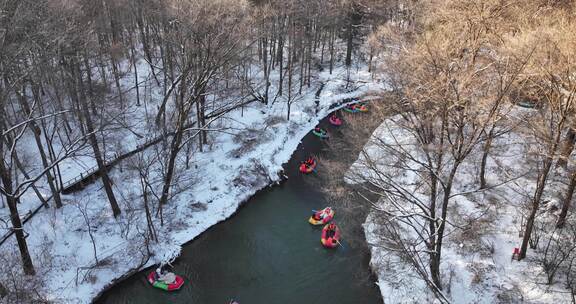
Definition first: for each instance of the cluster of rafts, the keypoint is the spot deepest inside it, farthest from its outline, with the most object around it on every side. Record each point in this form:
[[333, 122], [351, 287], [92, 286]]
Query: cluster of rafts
[[330, 233], [162, 279]]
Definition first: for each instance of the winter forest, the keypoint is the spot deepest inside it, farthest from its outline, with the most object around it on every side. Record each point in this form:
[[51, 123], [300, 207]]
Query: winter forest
[[171, 151]]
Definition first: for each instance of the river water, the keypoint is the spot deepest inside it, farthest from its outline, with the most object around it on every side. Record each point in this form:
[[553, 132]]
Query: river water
[[267, 253]]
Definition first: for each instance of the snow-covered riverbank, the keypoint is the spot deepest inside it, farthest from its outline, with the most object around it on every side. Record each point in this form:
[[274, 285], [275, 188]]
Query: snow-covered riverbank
[[484, 227], [211, 190]]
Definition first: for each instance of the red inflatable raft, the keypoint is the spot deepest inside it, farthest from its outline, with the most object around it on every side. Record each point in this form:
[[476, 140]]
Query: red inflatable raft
[[330, 236], [308, 166], [153, 280], [335, 121]]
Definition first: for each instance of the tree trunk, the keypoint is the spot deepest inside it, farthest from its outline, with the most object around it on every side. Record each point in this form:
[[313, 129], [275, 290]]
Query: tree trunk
[[101, 62], [349, 39], [567, 201], [309, 61], [302, 70], [290, 64], [20, 166], [73, 93], [149, 221], [36, 132], [102, 169], [16, 222], [535, 205], [52, 154], [280, 60], [48, 139], [567, 148], [3, 291], [436, 257], [136, 85], [174, 149], [202, 102], [89, 79], [200, 126], [266, 69], [184, 107], [117, 80], [540, 186], [485, 153], [434, 266], [143, 29], [323, 37], [60, 106], [434, 165], [332, 38]]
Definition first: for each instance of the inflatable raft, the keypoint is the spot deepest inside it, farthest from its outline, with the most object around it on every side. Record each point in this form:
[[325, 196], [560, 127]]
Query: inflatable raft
[[360, 107], [355, 108], [335, 121], [308, 166], [322, 217], [153, 280], [350, 109], [330, 236], [320, 133]]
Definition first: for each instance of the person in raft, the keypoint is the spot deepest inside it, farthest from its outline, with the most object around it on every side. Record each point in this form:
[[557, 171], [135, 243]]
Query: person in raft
[[164, 275], [316, 216], [319, 130], [331, 232]]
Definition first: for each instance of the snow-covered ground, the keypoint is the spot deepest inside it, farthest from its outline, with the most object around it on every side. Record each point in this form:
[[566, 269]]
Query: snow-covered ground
[[218, 180], [476, 261]]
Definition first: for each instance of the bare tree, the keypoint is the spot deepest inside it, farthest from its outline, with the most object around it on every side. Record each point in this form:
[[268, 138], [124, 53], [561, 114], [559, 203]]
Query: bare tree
[[555, 91], [450, 95], [82, 208], [567, 201], [209, 49]]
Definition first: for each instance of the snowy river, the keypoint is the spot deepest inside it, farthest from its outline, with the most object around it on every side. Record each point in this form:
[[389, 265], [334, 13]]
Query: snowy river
[[267, 253]]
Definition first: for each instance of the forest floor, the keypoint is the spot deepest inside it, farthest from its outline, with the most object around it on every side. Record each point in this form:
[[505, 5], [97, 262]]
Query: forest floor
[[485, 227], [80, 249]]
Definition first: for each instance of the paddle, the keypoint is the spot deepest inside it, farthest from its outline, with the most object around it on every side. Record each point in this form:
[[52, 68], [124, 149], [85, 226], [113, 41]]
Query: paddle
[[338, 242], [320, 210]]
